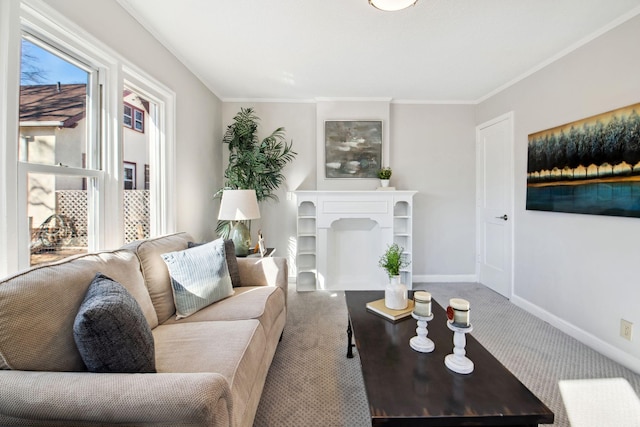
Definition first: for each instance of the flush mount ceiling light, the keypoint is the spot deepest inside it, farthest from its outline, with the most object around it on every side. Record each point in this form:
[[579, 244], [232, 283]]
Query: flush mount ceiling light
[[392, 5]]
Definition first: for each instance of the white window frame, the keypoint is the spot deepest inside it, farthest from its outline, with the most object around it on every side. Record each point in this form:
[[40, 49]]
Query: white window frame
[[94, 146], [161, 136], [9, 99], [128, 115], [136, 112], [39, 30]]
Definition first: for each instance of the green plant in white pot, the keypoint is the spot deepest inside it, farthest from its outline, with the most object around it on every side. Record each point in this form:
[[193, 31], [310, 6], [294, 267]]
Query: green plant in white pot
[[393, 261], [384, 175], [254, 164]]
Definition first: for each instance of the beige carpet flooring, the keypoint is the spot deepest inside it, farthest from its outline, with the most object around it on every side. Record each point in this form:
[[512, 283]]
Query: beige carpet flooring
[[311, 382]]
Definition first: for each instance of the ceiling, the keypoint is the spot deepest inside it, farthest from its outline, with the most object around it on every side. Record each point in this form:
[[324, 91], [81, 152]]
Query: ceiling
[[457, 51]]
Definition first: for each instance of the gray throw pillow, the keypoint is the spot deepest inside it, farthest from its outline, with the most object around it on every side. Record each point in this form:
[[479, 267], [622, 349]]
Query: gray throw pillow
[[232, 261], [199, 277], [111, 331]]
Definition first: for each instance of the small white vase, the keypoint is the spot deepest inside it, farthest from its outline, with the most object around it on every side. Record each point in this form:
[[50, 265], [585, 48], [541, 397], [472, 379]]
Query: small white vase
[[395, 294], [384, 182]]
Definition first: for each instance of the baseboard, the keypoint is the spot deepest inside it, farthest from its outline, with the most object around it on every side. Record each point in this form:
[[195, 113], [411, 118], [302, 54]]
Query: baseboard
[[445, 278], [430, 278], [581, 335]]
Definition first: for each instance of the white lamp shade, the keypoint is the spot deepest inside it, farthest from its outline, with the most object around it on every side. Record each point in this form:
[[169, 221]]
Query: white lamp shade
[[392, 5], [239, 205]]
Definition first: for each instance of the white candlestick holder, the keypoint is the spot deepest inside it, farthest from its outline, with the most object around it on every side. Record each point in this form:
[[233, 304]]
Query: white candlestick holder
[[457, 361], [421, 343]]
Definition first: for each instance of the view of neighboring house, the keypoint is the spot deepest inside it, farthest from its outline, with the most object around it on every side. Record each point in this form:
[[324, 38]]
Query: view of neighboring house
[[136, 141], [53, 132]]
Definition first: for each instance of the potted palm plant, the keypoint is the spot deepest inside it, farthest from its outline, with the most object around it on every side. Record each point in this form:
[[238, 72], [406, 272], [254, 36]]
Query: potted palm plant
[[395, 293], [254, 164]]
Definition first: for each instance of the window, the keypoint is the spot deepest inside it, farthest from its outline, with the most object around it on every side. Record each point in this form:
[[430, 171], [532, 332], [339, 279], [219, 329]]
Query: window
[[128, 114], [129, 176], [59, 155], [138, 123], [133, 116]]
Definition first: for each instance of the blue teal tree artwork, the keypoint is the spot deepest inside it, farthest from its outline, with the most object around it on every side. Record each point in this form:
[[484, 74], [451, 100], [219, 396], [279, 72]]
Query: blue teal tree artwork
[[591, 166]]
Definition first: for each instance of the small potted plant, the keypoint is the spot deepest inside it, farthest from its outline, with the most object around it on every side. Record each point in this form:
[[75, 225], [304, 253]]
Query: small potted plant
[[384, 175], [395, 293]]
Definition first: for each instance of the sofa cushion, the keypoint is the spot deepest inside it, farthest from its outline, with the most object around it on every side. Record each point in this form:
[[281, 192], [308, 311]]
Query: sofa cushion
[[264, 303], [111, 332], [155, 272], [38, 308], [232, 261], [199, 277], [236, 349]]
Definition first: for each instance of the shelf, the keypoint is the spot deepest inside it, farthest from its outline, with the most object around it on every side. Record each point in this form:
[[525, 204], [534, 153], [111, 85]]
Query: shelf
[[306, 251], [307, 209], [306, 281], [401, 209], [309, 252]]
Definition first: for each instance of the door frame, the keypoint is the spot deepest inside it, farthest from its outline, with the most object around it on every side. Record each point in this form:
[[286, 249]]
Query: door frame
[[511, 188]]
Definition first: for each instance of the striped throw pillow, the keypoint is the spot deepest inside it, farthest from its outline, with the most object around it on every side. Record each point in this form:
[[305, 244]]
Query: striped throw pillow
[[199, 277]]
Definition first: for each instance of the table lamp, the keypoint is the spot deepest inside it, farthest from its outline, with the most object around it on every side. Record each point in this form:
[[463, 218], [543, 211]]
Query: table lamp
[[236, 206]]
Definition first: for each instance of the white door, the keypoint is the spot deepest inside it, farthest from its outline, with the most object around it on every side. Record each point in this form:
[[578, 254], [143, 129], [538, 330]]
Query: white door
[[494, 204]]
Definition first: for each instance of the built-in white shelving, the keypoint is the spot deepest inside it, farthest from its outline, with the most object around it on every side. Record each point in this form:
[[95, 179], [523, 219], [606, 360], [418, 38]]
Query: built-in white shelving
[[342, 234], [306, 245]]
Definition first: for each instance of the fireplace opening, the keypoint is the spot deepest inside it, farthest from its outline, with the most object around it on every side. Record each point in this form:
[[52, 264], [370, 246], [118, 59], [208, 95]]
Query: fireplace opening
[[353, 251]]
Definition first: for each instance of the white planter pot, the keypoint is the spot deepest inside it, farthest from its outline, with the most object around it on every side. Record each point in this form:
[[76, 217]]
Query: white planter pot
[[384, 182], [395, 294]]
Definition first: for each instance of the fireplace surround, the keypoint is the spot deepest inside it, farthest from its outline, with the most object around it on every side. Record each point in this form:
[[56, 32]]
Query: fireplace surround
[[342, 234]]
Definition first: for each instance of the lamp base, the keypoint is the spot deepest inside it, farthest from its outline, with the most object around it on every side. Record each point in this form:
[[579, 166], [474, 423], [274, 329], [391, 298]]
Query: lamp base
[[241, 238]]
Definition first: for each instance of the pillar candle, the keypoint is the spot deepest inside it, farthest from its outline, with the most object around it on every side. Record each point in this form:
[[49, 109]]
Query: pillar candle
[[422, 303], [460, 311]]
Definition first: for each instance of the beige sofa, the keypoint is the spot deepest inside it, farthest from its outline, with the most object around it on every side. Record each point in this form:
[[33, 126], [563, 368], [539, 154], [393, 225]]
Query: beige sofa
[[211, 367]]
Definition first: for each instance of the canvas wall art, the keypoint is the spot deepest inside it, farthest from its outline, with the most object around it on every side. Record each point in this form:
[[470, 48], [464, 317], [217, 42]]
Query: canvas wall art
[[353, 148], [591, 166]]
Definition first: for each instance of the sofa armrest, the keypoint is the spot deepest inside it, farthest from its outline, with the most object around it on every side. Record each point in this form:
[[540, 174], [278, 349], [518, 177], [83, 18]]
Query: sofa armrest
[[269, 271], [84, 398]]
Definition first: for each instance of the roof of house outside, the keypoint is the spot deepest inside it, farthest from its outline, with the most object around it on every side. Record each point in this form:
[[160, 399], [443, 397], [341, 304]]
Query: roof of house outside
[[65, 103]]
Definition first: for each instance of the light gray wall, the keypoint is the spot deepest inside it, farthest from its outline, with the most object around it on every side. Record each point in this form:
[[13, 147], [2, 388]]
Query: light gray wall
[[431, 151], [198, 111], [578, 271]]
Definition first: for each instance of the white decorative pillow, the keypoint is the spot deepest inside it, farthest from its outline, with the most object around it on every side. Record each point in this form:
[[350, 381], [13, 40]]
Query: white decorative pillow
[[199, 277]]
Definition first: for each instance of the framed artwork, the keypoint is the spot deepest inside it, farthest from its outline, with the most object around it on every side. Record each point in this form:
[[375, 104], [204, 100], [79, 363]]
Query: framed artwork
[[590, 166], [352, 148]]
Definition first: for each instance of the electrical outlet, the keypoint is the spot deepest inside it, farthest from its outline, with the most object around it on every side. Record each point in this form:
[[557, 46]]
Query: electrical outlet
[[626, 329]]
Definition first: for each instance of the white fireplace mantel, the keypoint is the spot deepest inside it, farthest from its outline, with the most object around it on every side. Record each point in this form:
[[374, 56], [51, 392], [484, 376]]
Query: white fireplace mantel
[[342, 234]]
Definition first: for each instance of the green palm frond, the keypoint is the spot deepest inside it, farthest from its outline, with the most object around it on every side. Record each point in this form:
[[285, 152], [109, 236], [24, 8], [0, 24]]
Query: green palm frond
[[254, 164]]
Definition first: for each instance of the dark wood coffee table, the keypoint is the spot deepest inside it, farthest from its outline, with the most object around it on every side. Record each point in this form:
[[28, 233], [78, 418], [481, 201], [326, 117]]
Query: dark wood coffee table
[[408, 388]]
